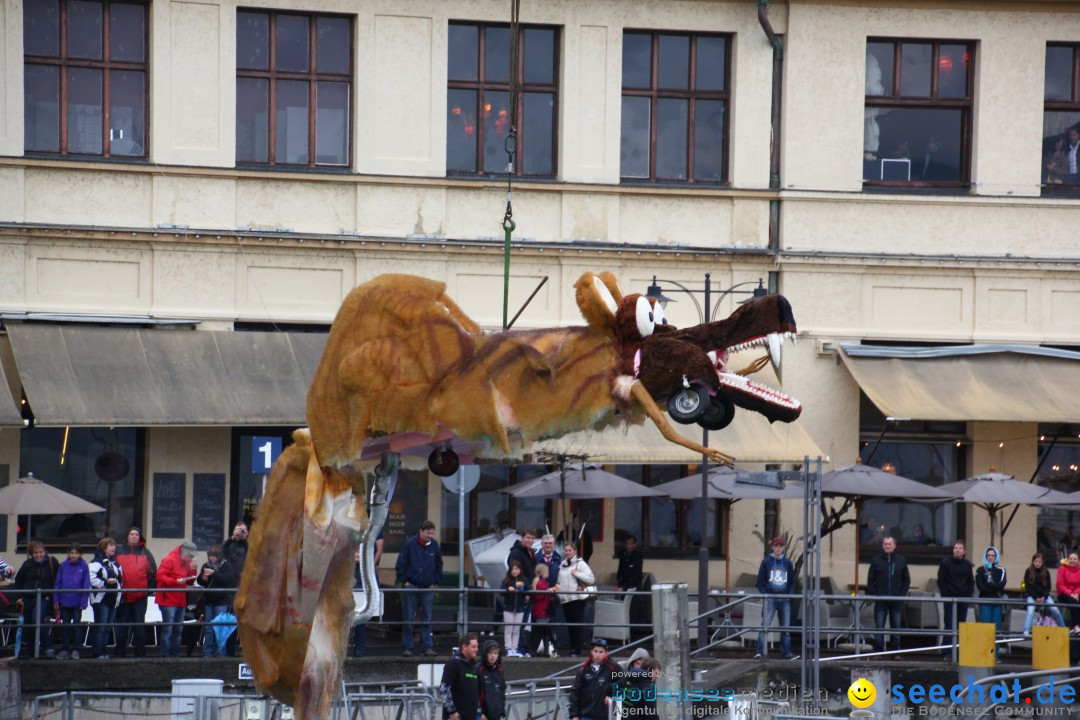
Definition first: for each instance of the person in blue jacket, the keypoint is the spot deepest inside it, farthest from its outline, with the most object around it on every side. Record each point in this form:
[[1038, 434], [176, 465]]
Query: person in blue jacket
[[419, 567], [776, 576]]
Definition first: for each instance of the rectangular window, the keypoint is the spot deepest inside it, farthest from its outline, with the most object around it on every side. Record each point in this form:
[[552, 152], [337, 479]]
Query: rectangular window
[[85, 65], [294, 83], [478, 104], [1059, 452], [664, 527], [918, 112], [1061, 116], [675, 94]]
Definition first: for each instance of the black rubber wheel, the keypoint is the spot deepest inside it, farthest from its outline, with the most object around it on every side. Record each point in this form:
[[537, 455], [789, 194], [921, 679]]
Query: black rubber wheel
[[719, 414], [688, 405], [443, 463]]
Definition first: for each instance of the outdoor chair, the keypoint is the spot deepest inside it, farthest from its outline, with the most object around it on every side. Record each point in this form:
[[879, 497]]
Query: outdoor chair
[[612, 618]]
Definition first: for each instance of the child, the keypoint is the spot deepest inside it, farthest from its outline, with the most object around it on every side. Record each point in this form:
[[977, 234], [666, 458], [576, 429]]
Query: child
[[514, 598], [1037, 588], [73, 575], [541, 612], [492, 684]]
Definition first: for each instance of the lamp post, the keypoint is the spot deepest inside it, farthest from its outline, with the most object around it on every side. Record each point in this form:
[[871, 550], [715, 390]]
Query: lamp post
[[705, 314]]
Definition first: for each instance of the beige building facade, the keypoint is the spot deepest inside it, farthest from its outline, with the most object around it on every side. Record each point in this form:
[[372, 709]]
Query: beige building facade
[[186, 236]]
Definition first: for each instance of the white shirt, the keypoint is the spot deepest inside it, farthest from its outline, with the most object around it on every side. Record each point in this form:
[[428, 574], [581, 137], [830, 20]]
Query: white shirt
[[1072, 158]]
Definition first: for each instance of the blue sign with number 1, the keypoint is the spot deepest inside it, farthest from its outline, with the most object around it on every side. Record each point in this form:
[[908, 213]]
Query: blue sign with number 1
[[264, 451]]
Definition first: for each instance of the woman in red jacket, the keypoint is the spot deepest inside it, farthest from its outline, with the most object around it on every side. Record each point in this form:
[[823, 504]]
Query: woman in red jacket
[[1068, 587], [140, 570], [177, 571]]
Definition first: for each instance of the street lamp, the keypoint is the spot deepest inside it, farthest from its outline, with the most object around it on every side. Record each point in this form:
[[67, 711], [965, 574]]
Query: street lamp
[[705, 314]]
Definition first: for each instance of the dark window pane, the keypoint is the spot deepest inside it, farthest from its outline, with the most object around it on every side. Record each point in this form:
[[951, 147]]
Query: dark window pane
[[693, 523], [291, 113], [953, 71], [711, 71], [41, 28], [540, 56], [879, 68], [634, 154], [127, 113], [332, 45], [709, 140], [1056, 128], [291, 36], [933, 464], [253, 40], [636, 61], [915, 69], [127, 32], [252, 120], [497, 54], [464, 52], [673, 70], [41, 112], [1059, 73], [84, 32], [916, 144], [84, 111], [332, 123], [671, 126], [662, 523], [538, 134], [461, 130], [495, 115]]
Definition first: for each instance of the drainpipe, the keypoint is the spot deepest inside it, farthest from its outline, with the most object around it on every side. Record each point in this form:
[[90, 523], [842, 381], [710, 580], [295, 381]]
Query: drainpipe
[[774, 144]]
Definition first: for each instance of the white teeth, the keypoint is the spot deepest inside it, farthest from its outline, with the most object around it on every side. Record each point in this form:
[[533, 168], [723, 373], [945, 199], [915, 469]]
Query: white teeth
[[775, 345]]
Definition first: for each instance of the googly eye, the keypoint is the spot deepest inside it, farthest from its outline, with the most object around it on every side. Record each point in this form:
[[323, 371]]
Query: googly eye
[[645, 322]]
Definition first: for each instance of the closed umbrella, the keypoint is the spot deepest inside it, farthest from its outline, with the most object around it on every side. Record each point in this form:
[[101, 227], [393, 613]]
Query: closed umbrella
[[725, 485], [30, 496], [860, 481]]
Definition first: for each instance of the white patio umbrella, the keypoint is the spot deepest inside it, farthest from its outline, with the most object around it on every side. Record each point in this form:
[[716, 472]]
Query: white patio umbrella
[[724, 485], [30, 496], [860, 481]]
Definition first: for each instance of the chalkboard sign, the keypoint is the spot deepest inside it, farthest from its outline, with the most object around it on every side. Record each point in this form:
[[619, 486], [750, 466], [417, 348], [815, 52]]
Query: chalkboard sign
[[208, 509], [169, 501]]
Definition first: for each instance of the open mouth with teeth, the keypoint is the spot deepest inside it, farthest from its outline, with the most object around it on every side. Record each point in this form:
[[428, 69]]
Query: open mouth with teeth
[[765, 323]]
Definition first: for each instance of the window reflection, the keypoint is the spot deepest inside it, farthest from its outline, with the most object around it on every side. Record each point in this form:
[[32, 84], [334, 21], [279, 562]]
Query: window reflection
[[538, 123], [252, 40], [291, 38], [879, 68], [539, 56], [636, 67], [953, 71], [127, 114], [84, 111], [497, 54], [464, 47], [634, 154], [1057, 531], [709, 140], [671, 138], [292, 122], [333, 45], [916, 145], [673, 69], [331, 118], [252, 120], [41, 28], [915, 69], [495, 115], [1060, 164], [41, 112], [84, 36], [127, 32], [461, 127], [1059, 73]]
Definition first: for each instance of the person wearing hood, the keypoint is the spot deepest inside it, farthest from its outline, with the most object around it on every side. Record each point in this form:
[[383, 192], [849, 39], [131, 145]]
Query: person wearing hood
[[637, 657], [459, 689], [72, 576], [38, 572], [639, 689], [990, 580], [1037, 589], [888, 577], [1068, 587], [492, 683], [140, 572], [955, 579], [176, 573], [106, 578], [419, 568]]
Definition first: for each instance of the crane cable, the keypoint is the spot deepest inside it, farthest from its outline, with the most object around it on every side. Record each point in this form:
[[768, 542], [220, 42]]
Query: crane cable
[[510, 145]]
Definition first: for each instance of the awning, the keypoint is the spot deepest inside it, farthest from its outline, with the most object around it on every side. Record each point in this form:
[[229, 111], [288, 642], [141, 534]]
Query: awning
[[9, 390], [1003, 383], [135, 377], [749, 439]]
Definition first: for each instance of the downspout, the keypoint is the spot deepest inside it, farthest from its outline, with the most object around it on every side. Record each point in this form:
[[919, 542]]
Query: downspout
[[774, 144]]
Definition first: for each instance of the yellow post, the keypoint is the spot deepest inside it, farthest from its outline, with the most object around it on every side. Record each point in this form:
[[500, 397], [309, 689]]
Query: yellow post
[[1050, 647], [977, 644]]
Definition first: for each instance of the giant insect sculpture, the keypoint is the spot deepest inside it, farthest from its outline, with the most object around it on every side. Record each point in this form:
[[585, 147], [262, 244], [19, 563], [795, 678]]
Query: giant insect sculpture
[[406, 372]]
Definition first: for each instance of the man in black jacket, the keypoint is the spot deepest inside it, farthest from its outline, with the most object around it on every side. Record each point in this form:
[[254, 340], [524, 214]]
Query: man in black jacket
[[629, 575], [460, 686], [888, 577], [523, 552], [955, 579], [590, 695]]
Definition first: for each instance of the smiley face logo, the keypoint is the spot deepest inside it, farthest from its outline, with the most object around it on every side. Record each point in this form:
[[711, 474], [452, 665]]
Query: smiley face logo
[[862, 693]]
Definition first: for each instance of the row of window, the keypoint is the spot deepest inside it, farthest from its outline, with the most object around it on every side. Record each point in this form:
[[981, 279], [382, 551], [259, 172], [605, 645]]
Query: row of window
[[86, 64]]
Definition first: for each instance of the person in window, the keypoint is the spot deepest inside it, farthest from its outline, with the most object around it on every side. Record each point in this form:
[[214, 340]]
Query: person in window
[[140, 572], [888, 577], [955, 579], [1037, 590], [1056, 163], [72, 580], [990, 580], [106, 577], [919, 536], [1072, 171], [1068, 587], [629, 575], [38, 572], [776, 576]]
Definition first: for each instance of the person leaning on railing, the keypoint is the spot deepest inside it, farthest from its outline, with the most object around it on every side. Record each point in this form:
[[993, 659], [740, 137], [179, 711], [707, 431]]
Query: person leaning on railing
[[38, 573]]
